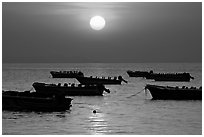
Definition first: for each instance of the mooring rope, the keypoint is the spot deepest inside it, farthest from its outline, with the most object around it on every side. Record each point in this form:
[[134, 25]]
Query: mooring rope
[[136, 93]]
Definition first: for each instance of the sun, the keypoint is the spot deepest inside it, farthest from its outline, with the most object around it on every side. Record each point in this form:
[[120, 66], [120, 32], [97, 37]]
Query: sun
[[97, 23]]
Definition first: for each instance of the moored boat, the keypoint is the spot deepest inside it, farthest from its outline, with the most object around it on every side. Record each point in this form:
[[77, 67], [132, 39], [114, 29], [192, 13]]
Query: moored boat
[[70, 89], [66, 74], [179, 77], [102, 80], [138, 73], [33, 101], [174, 93]]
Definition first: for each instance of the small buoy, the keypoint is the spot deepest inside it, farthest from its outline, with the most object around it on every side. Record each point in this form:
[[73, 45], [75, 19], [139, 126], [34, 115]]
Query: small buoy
[[94, 111]]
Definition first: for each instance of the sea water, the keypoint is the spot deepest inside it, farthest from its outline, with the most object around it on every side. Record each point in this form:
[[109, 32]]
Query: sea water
[[122, 111]]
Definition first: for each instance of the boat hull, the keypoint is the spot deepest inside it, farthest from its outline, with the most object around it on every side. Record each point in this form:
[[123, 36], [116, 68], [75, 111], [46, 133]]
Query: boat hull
[[34, 103], [183, 77], [172, 93], [99, 81], [69, 91]]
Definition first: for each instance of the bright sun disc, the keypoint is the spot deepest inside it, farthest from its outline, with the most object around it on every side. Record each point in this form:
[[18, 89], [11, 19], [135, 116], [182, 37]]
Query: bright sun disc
[[97, 22]]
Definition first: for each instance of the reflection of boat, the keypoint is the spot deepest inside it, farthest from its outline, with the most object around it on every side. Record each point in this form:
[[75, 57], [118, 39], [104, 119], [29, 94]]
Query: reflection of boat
[[174, 93], [66, 74], [70, 90], [138, 73], [170, 76], [103, 80], [26, 101]]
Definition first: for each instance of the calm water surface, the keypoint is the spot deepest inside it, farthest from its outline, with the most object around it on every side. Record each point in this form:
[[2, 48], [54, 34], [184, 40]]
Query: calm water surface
[[120, 112]]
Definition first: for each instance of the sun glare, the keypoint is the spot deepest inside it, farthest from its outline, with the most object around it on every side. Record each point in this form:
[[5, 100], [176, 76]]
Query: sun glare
[[97, 23]]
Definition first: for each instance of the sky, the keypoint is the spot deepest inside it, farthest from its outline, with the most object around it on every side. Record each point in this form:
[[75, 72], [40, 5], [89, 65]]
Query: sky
[[135, 32]]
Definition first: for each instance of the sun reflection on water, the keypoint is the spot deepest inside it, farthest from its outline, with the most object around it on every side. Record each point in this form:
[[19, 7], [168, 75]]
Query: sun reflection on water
[[98, 123]]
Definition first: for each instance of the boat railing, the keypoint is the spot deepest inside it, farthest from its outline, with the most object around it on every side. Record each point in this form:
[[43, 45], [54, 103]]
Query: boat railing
[[108, 78], [68, 85], [172, 74], [66, 72], [181, 88]]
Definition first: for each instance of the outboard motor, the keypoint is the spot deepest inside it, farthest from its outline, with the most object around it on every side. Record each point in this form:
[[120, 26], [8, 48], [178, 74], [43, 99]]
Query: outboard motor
[[105, 89], [120, 78], [151, 71], [191, 76], [188, 75]]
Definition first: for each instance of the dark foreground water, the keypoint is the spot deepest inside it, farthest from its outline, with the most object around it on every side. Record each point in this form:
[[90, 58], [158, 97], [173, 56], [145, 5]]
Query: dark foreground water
[[120, 112]]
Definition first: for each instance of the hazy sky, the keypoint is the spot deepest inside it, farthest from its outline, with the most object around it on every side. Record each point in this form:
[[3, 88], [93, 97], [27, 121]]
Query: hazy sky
[[134, 32]]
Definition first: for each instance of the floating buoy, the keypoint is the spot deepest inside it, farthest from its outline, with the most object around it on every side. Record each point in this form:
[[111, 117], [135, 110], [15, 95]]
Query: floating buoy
[[94, 111]]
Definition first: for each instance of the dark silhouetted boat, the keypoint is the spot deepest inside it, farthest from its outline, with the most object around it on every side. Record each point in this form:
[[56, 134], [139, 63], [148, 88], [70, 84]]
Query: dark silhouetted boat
[[138, 73], [174, 93], [33, 101], [70, 89], [179, 77], [102, 80], [66, 74]]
